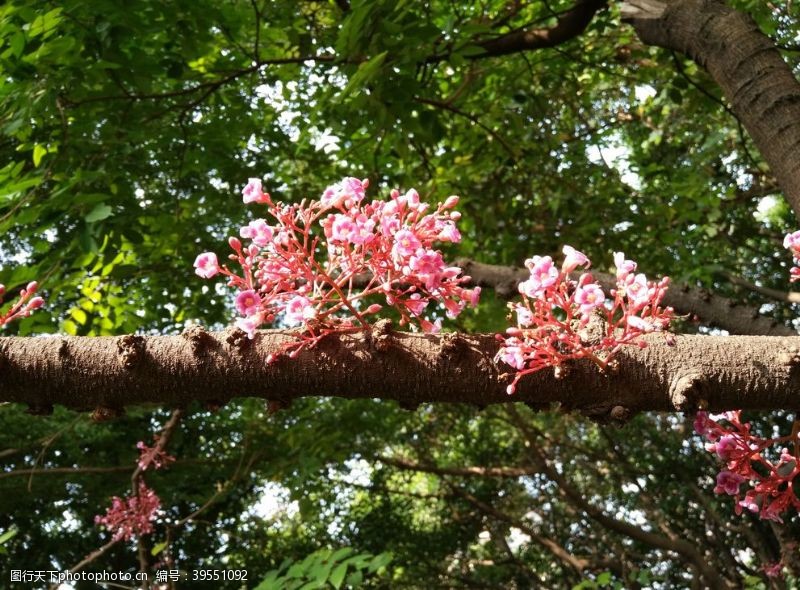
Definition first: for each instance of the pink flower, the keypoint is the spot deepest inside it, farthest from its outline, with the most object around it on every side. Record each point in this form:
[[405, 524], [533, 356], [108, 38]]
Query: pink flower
[[252, 193], [512, 355], [638, 323], [362, 232], [449, 233], [299, 309], [342, 228], [726, 446], [772, 570], [258, 231], [543, 275], [405, 243], [792, 241], [624, 267], [206, 265], [573, 259], [638, 291], [750, 502], [427, 265], [589, 297], [524, 316], [728, 483], [415, 304], [249, 325], [248, 302], [347, 189]]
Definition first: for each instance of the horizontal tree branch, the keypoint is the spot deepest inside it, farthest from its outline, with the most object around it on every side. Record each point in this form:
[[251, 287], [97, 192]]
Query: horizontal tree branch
[[570, 24], [108, 373]]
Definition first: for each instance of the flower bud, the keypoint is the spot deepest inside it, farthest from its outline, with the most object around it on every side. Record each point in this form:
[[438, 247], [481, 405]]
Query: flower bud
[[374, 308], [31, 288], [235, 243], [450, 202]]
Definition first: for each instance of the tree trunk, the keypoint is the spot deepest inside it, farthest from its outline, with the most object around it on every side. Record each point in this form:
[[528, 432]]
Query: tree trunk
[[744, 62], [111, 372]]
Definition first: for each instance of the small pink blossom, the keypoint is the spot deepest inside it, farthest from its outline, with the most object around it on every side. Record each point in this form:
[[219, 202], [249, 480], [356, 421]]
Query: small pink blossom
[[449, 233], [638, 323], [624, 267], [248, 302], [589, 297], [726, 446], [415, 304], [299, 309], [573, 259], [258, 231], [792, 241], [152, 456], [249, 325], [342, 228], [206, 265], [638, 291], [253, 193], [349, 188], [773, 570], [405, 244], [543, 275], [728, 483], [524, 316]]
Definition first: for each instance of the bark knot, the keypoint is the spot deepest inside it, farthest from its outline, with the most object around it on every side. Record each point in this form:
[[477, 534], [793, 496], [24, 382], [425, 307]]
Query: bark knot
[[789, 357], [381, 335], [199, 338], [684, 391], [131, 350], [237, 338]]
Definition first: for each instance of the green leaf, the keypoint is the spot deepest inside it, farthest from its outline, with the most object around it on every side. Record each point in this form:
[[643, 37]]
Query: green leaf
[[364, 74], [158, 548], [99, 213], [39, 151], [8, 535], [337, 575]]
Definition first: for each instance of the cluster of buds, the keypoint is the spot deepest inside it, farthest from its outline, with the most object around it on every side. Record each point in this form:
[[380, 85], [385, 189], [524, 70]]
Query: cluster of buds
[[132, 516], [769, 481], [25, 304], [152, 456], [330, 264], [555, 311]]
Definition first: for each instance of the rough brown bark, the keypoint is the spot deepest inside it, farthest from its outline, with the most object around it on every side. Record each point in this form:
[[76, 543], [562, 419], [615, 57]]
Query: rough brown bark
[[744, 62], [111, 372]]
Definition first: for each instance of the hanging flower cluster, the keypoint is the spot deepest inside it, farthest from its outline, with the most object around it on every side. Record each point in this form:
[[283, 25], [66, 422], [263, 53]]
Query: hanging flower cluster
[[330, 264], [769, 482], [132, 516], [24, 306], [555, 312]]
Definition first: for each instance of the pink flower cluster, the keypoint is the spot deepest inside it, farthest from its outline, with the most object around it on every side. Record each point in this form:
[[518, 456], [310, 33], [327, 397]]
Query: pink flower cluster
[[24, 306], [555, 310], [769, 490], [367, 254], [792, 243], [152, 456], [131, 516]]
